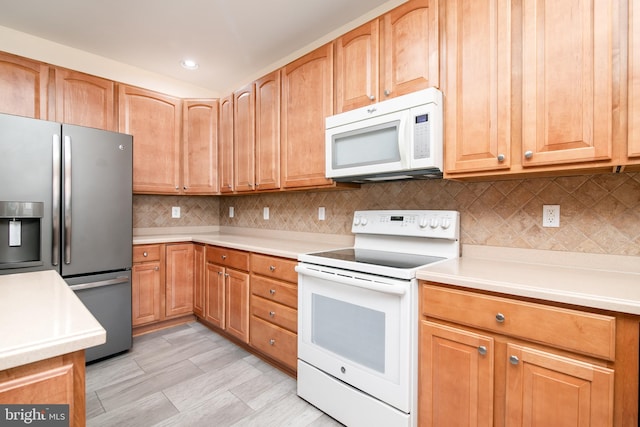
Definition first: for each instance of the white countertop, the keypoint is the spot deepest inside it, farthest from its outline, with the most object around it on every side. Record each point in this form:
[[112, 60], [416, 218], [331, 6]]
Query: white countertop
[[277, 243], [41, 317], [597, 281]]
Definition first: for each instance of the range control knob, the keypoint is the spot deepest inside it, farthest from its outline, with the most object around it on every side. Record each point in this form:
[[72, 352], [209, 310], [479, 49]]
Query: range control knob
[[446, 223], [364, 221], [424, 223], [356, 220], [434, 223]]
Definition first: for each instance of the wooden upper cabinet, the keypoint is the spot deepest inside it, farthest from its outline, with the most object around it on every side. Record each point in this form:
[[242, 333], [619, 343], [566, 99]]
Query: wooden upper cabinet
[[24, 85], [85, 100], [307, 98], [154, 121], [225, 145], [633, 149], [567, 80], [243, 138], [409, 43], [200, 146], [357, 67], [267, 131], [477, 85]]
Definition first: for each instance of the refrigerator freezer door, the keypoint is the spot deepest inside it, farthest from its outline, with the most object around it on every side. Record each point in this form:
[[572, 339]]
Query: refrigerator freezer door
[[26, 170], [96, 201]]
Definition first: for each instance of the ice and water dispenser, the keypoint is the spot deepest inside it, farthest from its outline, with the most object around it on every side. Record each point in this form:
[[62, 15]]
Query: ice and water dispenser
[[20, 229]]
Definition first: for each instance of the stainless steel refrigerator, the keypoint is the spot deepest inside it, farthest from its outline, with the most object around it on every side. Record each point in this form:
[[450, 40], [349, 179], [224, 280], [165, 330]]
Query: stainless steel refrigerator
[[66, 205]]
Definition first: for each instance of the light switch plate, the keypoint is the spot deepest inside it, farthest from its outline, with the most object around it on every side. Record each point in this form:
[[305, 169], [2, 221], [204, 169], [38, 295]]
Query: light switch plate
[[232, 212], [321, 213], [265, 212]]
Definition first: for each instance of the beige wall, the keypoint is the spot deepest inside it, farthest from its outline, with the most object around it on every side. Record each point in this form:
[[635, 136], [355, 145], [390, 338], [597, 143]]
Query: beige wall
[[598, 213]]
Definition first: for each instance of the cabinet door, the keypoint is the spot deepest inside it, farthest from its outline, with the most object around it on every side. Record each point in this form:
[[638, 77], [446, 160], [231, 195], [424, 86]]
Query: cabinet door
[[546, 389], [243, 139], [85, 100], [179, 279], [634, 79], [145, 293], [567, 80], [477, 83], [24, 85], [237, 304], [456, 377], [154, 121], [409, 40], [225, 145], [199, 280], [357, 67], [214, 304], [307, 98], [267, 128], [200, 146]]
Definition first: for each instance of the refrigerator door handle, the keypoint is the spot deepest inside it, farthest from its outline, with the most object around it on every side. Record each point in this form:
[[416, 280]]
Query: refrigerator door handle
[[55, 194], [100, 283], [67, 199]]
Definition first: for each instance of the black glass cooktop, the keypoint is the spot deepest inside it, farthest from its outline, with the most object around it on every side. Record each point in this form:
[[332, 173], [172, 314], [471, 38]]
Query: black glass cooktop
[[386, 259]]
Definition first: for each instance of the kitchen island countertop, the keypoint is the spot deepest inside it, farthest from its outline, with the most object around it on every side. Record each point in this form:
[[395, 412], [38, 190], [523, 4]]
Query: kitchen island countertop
[[604, 282], [41, 317]]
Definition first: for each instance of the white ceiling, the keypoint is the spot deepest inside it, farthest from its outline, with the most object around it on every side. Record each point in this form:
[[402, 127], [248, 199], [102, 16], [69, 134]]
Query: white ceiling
[[230, 39]]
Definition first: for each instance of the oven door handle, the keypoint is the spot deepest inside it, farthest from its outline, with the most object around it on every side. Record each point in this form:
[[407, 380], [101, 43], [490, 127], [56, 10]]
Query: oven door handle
[[365, 284]]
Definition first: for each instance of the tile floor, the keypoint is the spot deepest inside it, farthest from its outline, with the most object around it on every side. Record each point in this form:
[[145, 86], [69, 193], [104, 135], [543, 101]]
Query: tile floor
[[190, 376]]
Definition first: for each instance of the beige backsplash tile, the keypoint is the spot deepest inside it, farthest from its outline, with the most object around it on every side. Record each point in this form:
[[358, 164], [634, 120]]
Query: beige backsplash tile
[[598, 213]]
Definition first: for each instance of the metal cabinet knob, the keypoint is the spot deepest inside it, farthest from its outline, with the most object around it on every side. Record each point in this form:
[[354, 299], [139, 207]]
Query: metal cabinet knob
[[387, 92], [272, 268], [272, 291], [177, 187], [223, 256], [156, 268], [482, 350], [514, 360], [272, 314], [528, 154], [144, 254], [501, 157], [372, 98], [226, 274], [219, 273], [500, 318], [185, 187], [272, 341]]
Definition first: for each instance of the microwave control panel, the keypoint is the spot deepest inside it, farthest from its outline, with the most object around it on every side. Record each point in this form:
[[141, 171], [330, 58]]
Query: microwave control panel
[[421, 136]]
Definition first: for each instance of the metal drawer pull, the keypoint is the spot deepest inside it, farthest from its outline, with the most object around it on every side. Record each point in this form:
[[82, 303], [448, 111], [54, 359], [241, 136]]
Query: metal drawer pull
[[500, 318], [482, 350], [272, 268], [272, 341], [272, 291], [514, 360], [272, 314]]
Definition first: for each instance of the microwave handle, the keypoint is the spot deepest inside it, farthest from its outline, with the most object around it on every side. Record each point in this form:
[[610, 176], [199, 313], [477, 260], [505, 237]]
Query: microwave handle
[[405, 138]]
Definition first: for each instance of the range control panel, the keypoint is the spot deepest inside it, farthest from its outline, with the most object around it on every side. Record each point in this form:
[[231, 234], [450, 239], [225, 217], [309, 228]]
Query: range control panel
[[439, 224]]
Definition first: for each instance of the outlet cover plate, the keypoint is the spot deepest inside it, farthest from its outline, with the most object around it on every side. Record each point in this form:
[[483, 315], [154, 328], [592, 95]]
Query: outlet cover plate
[[175, 212], [551, 215]]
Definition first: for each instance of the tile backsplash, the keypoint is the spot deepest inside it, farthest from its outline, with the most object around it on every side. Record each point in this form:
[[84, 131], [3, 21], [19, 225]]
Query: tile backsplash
[[598, 213]]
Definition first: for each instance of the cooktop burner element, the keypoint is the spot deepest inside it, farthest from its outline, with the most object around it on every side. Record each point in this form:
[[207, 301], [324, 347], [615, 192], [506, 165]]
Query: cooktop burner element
[[387, 259]]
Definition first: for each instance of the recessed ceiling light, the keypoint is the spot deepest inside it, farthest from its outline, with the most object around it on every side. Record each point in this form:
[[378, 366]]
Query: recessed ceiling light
[[189, 64]]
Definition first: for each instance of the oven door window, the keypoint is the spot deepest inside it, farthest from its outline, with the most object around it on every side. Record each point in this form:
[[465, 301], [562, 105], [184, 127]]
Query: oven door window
[[354, 332]]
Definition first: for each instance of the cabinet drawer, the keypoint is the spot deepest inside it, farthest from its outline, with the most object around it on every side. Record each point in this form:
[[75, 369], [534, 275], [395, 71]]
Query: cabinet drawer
[[275, 313], [579, 331], [277, 268], [228, 257], [144, 253], [272, 290], [274, 341]]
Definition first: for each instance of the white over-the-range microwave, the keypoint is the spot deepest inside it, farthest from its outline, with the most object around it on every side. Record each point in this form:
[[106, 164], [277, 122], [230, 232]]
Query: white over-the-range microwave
[[399, 138]]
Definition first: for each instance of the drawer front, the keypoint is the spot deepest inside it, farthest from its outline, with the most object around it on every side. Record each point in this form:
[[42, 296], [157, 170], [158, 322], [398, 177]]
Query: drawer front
[[275, 313], [274, 267], [273, 290], [579, 331], [144, 253], [275, 342], [228, 257]]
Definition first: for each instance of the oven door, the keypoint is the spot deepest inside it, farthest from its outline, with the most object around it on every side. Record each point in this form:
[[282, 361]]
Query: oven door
[[358, 328]]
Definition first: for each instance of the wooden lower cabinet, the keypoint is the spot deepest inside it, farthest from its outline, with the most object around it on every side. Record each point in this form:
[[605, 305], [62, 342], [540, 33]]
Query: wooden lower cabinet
[[162, 285], [58, 380], [481, 365]]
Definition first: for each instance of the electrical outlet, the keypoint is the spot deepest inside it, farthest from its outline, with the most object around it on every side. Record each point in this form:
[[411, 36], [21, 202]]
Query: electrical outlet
[[265, 213], [175, 212], [551, 215], [321, 213], [232, 212]]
